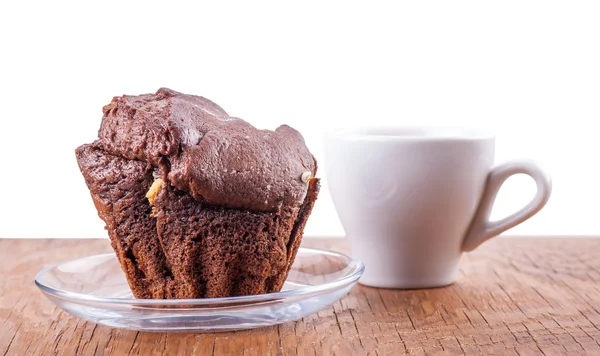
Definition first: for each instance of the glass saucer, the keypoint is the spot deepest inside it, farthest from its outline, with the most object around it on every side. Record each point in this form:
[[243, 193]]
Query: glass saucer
[[94, 288]]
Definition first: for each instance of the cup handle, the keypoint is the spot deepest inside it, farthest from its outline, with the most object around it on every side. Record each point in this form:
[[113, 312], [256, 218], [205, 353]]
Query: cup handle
[[481, 228]]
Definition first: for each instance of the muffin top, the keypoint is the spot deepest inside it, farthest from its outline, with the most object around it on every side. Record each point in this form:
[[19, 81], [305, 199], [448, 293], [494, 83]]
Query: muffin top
[[202, 151]]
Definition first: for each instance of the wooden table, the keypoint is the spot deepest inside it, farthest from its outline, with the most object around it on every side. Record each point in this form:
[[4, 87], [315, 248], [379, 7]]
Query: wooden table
[[523, 296]]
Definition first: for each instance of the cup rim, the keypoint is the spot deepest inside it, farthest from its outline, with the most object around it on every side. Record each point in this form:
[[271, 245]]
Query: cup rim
[[412, 133]]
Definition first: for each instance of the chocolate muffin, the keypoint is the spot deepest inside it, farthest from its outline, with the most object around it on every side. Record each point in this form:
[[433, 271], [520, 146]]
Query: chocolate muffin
[[198, 204]]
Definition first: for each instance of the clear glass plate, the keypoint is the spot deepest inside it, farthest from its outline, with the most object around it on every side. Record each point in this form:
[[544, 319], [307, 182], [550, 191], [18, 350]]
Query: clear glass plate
[[94, 288]]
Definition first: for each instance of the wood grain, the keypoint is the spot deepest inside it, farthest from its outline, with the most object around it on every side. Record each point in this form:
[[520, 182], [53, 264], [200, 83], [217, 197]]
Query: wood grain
[[516, 296]]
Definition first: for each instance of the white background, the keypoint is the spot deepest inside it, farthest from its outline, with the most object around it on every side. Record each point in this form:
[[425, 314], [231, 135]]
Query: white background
[[528, 70]]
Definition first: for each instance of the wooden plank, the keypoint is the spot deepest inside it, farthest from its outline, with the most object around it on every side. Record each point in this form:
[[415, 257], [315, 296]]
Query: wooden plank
[[516, 296]]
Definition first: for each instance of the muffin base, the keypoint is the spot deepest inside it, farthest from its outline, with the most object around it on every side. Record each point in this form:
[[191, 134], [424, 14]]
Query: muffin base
[[182, 247]]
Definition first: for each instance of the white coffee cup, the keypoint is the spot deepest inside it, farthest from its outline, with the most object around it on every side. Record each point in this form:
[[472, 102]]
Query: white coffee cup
[[413, 199]]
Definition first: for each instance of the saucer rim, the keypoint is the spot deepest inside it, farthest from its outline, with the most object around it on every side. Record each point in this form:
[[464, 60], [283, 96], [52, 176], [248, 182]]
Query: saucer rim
[[304, 292]]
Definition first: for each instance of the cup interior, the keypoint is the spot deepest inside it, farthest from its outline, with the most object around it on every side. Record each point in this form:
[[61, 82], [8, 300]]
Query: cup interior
[[414, 132]]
